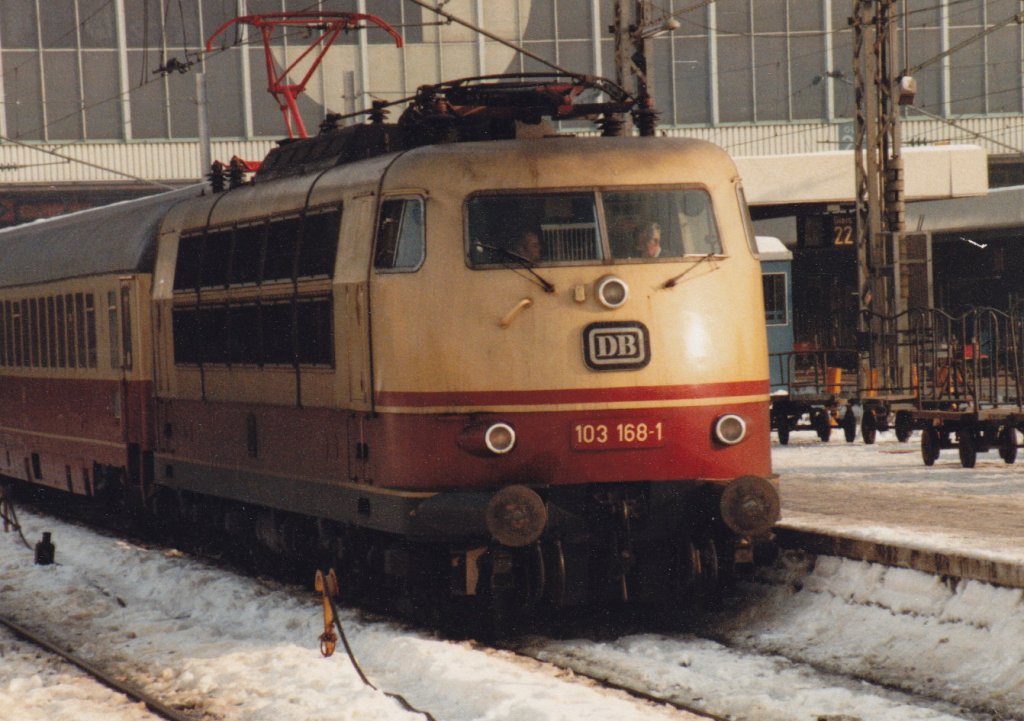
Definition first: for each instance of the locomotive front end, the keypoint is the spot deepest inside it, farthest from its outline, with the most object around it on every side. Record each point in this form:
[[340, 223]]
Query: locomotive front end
[[568, 351]]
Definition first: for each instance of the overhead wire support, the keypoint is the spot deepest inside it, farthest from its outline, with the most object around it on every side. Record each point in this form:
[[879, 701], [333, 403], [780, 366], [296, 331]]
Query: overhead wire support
[[879, 174], [329, 24]]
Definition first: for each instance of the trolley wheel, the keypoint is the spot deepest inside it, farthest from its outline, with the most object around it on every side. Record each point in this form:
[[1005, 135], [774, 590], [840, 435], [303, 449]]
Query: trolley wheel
[[929, 446], [904, 426], [783, 430], [869, 426], [850, 425], [822, 426], [1008, 444], [967, 447]]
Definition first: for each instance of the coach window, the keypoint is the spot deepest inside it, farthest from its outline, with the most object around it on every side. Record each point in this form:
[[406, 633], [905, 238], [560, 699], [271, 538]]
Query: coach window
[[279, 257], [244, 327], [315, 332], [51, 329], [3, 334], [400, 239], [33, 332], [216, 257], [61, 333], [775, 311], [112, 329], [319, 244], [276, 324], [186, 269], [247, 255]]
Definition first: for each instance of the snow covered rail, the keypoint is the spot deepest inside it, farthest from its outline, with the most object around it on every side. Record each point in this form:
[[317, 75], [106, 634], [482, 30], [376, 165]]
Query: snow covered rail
[[153, 704], [941, 563]]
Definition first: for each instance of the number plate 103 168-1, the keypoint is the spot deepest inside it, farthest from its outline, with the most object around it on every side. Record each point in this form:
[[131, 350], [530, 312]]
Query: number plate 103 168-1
[[615, 434]]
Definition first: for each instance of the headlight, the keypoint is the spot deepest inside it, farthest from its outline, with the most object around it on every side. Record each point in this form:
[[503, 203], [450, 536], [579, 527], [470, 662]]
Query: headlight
[[500, 438], [488, 440], [730, 429], [612, 292]]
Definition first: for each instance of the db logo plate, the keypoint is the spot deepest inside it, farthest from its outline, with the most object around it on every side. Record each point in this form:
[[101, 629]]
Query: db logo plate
[[611, 346]]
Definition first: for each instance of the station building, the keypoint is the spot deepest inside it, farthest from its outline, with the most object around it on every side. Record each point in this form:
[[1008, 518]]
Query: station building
[[100, 102]]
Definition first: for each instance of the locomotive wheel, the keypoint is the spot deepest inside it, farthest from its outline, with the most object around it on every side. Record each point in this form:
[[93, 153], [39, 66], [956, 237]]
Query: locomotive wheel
[[1008, 444], [904, 426], [967, 447], [711, 570], [929, 446], [822, 426], [850, 425], [869, 426]]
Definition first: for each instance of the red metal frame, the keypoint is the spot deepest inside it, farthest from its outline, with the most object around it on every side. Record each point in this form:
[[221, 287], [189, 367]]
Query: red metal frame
[[329, 24]]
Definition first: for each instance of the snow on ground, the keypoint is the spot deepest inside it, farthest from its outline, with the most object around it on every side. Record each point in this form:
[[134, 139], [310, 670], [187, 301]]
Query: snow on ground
[[247, 649]]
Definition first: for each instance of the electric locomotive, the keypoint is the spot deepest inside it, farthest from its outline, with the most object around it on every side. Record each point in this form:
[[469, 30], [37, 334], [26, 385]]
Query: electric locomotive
[[462, 356], [365, 342]]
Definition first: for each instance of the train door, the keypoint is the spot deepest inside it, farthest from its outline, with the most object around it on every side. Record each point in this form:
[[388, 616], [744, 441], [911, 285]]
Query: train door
[[352, 324]]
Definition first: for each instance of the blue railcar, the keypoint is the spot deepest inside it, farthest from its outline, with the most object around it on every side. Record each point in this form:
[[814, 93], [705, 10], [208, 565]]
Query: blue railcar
[[776, 273]]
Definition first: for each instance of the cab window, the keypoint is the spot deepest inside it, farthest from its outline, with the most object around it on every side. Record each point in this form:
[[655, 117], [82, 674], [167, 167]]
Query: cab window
[[652, 224], [400, 237], [537, 228]]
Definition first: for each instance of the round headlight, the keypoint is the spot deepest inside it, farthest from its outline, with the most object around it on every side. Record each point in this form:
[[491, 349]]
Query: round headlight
[[500, 438], [730, 429], [612, 292]]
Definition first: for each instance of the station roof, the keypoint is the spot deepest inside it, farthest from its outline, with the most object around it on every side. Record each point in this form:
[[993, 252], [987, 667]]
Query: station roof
[[1000, 209], [934, 172], [118, 238]]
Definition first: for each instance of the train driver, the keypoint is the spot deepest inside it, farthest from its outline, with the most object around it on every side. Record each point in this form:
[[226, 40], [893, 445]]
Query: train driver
[[647, 240], [528, 246]]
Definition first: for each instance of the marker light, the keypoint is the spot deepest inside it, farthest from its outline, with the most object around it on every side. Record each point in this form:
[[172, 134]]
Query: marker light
[[612, 292], [500, 438], [730, 429]]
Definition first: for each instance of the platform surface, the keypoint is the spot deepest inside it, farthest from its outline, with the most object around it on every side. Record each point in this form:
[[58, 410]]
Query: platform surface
[[884, 502]]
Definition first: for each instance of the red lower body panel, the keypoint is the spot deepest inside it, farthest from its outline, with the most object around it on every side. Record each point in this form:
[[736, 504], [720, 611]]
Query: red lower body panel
[[53, 432]]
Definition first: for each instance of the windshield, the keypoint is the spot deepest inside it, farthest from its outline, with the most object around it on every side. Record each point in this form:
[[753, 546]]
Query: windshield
[[582, 227]]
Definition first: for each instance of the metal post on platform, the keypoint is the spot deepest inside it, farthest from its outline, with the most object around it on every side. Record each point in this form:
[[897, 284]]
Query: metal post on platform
[[880, 208]]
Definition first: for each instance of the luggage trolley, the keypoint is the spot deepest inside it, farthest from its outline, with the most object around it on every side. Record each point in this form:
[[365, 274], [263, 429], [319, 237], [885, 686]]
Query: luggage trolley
[[808, 393], [886, 378], [969, 374]]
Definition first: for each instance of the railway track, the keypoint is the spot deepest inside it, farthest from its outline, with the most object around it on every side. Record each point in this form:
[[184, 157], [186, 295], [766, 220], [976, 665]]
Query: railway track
[[154, 705], [707, 698], [606, 681]]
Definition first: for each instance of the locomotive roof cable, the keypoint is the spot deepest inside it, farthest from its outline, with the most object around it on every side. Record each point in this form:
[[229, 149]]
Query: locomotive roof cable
[[328, 587]]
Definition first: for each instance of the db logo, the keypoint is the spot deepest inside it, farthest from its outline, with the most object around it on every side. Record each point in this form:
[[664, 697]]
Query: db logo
[[616, 346]]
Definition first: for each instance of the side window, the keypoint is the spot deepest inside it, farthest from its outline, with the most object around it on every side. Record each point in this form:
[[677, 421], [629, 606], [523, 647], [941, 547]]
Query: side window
[[400, 238], [748, 224], [775, 311]]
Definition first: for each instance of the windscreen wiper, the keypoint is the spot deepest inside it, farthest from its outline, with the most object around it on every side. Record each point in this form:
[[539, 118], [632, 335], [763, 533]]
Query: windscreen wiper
[[671, 282], [524, 263]]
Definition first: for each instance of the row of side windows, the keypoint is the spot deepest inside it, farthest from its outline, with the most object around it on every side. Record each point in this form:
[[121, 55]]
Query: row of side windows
[[261, 333], [257, 332], [57, 331], [265, 251]]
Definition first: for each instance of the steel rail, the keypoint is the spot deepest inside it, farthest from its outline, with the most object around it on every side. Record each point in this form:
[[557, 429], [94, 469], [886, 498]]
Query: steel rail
[[154, 705], [607, 683]]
